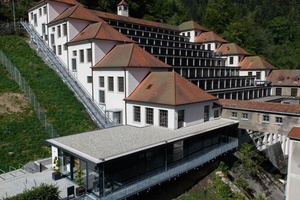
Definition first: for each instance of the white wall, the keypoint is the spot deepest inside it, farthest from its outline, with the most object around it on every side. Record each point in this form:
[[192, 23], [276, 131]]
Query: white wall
[[83, 68], [193, 34], [101, 48], [193, 114], [293, 177]]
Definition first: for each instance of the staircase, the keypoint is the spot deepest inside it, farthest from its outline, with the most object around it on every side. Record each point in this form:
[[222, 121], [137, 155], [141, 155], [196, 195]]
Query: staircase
[[96, 113]]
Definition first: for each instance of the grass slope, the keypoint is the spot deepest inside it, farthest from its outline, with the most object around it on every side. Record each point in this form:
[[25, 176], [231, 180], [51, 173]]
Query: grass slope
[[22, 135]]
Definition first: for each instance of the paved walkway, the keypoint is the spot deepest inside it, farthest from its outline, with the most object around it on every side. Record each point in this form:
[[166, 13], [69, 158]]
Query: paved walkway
[[16, 181]]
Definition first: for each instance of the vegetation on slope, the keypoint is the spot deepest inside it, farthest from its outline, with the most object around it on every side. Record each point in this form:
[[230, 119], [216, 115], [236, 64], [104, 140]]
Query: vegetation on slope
[[22, 135]]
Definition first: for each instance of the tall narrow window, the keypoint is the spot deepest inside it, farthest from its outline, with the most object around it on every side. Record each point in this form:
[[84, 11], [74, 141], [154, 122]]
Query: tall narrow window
[[59, 49], [89, 55], [52, 39], [101, 96], [58, 31], [231, 60], [149, 115], [31, 15], [43, 28], [278, 91], [121, 84], [65, 29], [89, 79], [40, 12], [163, 118], [258, 75], [74, 65], [81, 55], [136, 113], [101, 81], [54, 49], [45, 10], [206, 113], [35, 19], [110, 83], [180, 118]]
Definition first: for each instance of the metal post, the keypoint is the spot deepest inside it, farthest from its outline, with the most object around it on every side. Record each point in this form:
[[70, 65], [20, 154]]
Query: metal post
[[13, 2]]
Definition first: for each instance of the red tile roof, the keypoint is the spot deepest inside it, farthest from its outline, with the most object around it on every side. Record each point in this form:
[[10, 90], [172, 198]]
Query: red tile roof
[[209, 37], [190, 25], [285, 77], [71, 2], [122, 3], [100, 31], [231, 49], [294, 133], [131, 20], [130, 55], [77, 12], [260, 106], [255, 62], [168, 88], [43, 2]]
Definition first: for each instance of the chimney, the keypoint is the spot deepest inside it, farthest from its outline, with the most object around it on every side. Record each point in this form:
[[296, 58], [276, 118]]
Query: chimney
[[123, 9]]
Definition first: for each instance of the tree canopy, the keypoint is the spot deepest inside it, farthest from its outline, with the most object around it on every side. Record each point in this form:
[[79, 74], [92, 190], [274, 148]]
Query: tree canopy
[[268, 28]]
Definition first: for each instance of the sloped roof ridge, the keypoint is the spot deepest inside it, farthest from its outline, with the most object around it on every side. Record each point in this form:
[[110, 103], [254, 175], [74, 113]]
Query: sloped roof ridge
[[131, 53]]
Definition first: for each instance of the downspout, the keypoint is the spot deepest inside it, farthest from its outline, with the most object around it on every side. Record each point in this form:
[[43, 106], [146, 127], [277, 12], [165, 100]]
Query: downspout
[[92, 70], [125, 95]]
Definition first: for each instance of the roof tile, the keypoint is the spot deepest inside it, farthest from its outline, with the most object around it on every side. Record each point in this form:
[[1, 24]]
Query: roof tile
[[168, 88], [130, 55], [209, 37], [255, 62], [294, 133], [231, 49], [190, 25], [289, 77], [100, 31]]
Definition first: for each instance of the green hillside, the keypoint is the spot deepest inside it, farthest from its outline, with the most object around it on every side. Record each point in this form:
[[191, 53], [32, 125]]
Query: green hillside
[[22, 135]]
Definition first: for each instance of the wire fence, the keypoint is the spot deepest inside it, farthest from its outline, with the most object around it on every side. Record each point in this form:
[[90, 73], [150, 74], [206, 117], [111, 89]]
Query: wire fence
[[15, 73]]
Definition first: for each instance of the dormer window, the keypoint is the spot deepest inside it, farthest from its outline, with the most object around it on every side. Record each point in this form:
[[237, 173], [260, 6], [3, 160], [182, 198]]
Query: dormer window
[[295, 79], [280, 79]]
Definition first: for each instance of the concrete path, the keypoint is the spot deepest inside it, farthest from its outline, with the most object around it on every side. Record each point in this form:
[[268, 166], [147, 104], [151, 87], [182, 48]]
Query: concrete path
[[16, 181]]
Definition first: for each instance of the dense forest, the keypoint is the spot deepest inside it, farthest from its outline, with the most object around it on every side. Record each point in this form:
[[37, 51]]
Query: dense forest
[[268, 28]]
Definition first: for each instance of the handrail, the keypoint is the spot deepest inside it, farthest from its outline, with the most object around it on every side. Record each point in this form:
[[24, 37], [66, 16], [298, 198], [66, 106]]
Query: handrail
[[14, 169], [97, 114], [3, 172]]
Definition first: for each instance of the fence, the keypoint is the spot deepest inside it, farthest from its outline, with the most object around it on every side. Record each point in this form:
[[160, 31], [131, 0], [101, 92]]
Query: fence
[[14, 72]]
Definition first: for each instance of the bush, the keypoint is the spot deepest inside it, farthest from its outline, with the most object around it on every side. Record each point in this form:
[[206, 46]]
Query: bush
[[42, 192]]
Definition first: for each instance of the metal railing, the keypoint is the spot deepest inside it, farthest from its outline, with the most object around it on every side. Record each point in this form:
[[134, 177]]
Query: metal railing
[[96, 113], [25, 87], [160, 177]]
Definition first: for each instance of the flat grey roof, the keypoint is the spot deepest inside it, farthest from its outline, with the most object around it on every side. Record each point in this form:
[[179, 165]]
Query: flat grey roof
[[119, 141]]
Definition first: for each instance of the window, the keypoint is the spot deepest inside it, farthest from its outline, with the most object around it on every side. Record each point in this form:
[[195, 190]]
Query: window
[[74, 65], [249, 73], [65, 47], [65, 29], [244, 115], [208, 46], [31, 15], [149, 115], [206, 113], [163, 118], [136, 113], [59, 49], [101, 96], [278, 91], [101, 81], [266, 118], [81, 54], [295, 79], [178, 150], [117, 117], [45, 10], [231, 60], [278, 120], [121, 84], [180, 118], [216, 113], [40, 12], [89, 79], [74, 53], [294, 92], [234, 114], [53, 29], [257, 75], [43, 28], [58, 31], [52, 39], [110, 83], [54, 49], [34, 19], [280, 79], [89, 55]]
